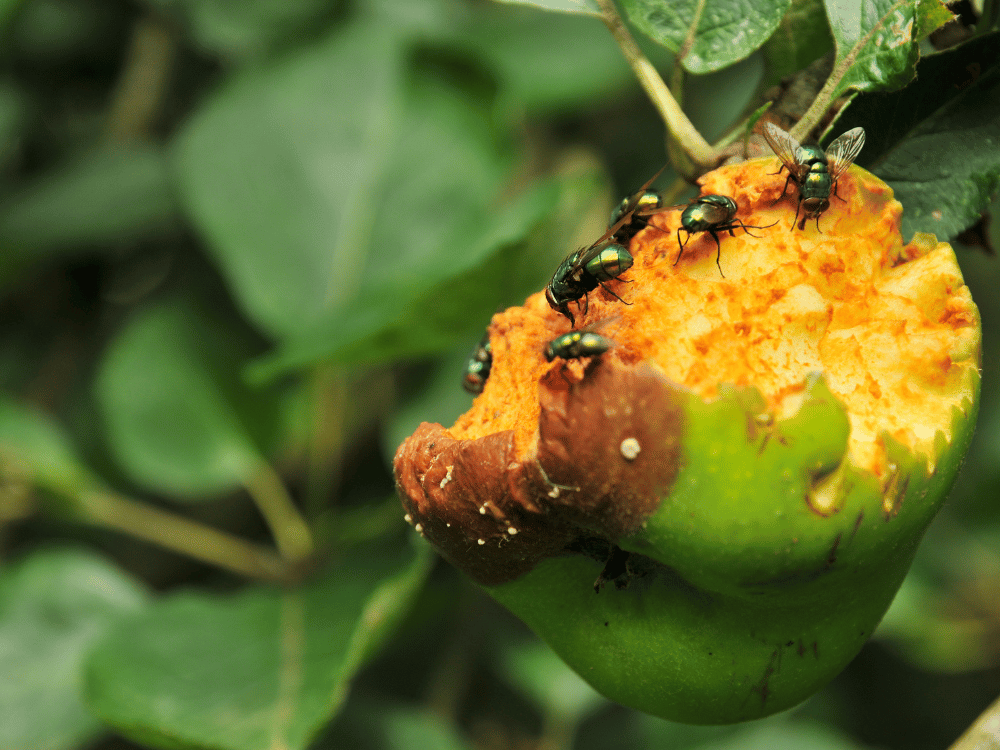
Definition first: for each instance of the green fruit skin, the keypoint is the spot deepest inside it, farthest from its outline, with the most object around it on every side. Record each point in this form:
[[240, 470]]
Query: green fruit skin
[[763, 599]]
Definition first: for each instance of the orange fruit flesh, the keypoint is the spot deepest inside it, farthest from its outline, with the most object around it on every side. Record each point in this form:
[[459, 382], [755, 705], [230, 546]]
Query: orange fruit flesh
[[892, 327]]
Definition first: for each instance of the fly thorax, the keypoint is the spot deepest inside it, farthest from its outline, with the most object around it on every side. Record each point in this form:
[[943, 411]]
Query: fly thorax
[[817, 185], [810, 156]]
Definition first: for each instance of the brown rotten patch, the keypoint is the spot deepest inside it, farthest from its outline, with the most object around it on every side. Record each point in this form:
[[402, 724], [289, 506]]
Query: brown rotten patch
[[607, 450]]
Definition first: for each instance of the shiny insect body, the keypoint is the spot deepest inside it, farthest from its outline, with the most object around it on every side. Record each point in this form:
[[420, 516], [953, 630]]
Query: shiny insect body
[[813, 170], [608, 258], [576, 345], [629, 217], [477, 369], [712, 214], [584, 271]]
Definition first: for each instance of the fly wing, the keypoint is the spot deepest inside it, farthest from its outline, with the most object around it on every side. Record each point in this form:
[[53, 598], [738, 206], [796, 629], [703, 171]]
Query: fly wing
[[783, 145], [665, 209], [602, 324], [713, 213], [626, 216], [844, 150]]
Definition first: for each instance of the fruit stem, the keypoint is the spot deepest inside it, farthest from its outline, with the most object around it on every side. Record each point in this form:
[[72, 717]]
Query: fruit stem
[[680, 127]]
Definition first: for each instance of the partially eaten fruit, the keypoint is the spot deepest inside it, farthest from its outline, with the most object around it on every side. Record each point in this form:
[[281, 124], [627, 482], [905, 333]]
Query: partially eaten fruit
[[744, 476]]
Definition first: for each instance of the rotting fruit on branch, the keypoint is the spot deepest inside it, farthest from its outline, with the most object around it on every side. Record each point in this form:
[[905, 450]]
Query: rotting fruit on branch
[[753, 462]]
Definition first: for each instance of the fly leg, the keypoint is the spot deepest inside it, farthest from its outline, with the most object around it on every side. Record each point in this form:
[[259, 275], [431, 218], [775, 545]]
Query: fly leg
[[718, 247], [680, 247]]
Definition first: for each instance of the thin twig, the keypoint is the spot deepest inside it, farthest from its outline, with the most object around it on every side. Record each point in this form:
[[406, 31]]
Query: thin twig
[[678, 124], [326, 437], [817, 109], [290, 531], [141, 88], [450, 676], [182, 535], [825, 97]]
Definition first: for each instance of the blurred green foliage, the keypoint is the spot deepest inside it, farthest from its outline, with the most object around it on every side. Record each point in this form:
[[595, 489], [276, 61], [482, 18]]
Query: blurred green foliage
[[245, 248]]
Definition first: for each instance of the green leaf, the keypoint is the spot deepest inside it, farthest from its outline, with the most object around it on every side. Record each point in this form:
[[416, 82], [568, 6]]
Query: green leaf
[[563, 6], [247, 29], [426, 309], [460, 292], [7, 8], [707, 35], [257, 670], [876, 44], [34, 446], [109, 197], [53, 606], [282, 172], [407, 729], [931, 16], [937, 141], [13, 114], [545, 678], [802, 37], [177, 417]]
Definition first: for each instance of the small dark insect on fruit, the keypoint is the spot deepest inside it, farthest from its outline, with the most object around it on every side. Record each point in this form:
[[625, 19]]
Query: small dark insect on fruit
[[712, 214], [584, 271], [576, 345], [607, 258], [814, 171], [477, 369], [634, 210], [629, 217]]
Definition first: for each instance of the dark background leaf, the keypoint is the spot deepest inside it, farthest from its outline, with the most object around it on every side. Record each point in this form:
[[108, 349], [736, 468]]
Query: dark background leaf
[[240, 32], [937, 141], [582, 63], [802, 37], [111, 196]]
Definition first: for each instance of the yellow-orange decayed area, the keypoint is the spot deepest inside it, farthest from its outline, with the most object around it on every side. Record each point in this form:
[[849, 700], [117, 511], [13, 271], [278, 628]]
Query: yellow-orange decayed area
[[893, 328]]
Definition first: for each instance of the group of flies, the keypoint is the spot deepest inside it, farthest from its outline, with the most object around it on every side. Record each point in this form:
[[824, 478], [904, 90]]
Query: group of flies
[[814, 172]]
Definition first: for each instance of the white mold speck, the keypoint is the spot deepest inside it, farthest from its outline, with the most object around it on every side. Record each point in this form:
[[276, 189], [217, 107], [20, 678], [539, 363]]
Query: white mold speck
[[630, 448]]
